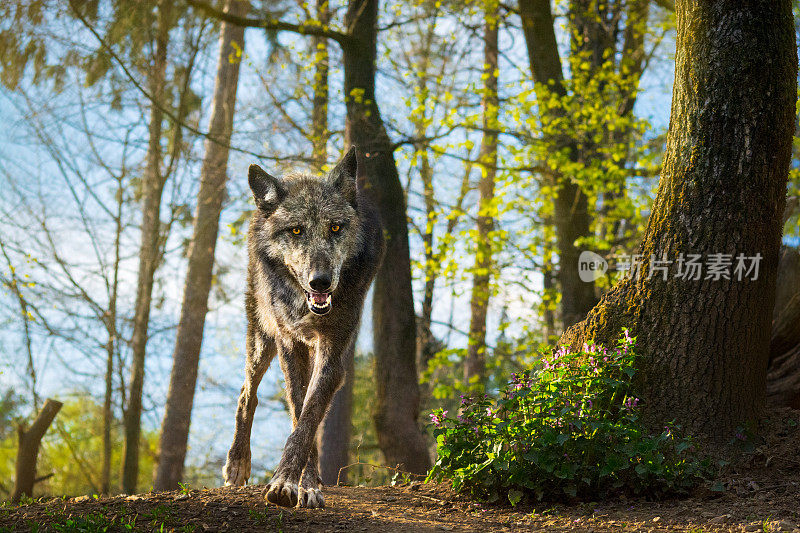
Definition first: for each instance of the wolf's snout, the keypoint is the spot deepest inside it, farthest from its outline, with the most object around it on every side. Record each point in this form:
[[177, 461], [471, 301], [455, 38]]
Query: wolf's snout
[[319, 281], [319, 299]]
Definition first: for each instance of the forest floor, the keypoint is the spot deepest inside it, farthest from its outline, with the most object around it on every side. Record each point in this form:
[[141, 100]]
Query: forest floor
[[761, 493]]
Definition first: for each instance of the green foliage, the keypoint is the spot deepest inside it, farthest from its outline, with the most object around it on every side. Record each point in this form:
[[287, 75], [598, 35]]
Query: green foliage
[[572, 427], [72, 451], [95, 522]]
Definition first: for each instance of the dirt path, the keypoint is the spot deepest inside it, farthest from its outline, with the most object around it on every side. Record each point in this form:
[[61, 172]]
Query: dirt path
[[419, 508]]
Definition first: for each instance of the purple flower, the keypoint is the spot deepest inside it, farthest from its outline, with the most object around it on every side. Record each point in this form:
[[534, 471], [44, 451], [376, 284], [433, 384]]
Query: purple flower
[[438, 418], [628, 338]]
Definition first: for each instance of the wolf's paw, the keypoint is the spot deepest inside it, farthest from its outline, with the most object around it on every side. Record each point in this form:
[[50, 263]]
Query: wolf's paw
[[311, 498], [236, 472], [282, 492]]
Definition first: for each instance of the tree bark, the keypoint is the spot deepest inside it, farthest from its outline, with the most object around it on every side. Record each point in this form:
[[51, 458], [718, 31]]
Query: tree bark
[[333, 437], [570, 205], [475, 363], [319, 110], [394, 323], [213, 179], [704, 344], [152, 189], [111, 345], [783, 372], [28, 451]]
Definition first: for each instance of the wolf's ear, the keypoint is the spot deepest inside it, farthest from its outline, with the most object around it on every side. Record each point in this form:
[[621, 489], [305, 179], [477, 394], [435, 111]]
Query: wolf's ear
[[343, 175], [267, 189]]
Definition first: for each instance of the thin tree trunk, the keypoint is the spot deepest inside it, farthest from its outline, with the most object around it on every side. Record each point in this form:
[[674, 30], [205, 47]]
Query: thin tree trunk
[[394, 322], [704, 344], [213, 179], [570, 205], [105, 475], [319, 111], [333, 436], [28, 451], [629, 70], [111, 349], [475, 363], [548, 284], [431, 266], [152, 188]]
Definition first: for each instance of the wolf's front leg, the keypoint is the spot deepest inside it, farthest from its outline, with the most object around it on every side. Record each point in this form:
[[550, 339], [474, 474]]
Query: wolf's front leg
[[310, 491], [285, 488], [260, 351]]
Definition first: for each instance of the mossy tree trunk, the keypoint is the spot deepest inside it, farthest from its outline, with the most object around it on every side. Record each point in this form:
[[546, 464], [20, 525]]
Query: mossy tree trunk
[[704, 344]]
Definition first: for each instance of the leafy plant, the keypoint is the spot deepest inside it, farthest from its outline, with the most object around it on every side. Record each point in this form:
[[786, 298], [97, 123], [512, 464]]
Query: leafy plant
[[571, 427], [185, 488], [94, 522]]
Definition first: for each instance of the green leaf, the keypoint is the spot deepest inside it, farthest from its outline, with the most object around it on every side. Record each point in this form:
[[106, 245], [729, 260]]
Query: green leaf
[[514, 496]]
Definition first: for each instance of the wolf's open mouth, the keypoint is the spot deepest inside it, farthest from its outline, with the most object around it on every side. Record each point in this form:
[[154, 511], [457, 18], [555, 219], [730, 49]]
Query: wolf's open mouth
[[319, 302]]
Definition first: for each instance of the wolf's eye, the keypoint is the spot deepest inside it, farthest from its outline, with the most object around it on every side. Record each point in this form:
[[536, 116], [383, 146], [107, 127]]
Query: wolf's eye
[[297, 231], [335, 228]]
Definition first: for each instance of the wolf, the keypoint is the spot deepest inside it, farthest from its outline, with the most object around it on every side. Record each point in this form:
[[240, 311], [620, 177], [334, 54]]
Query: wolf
[[314, 246]]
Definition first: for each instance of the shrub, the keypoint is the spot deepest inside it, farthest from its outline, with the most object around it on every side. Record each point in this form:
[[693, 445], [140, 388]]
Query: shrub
[[571, 427]]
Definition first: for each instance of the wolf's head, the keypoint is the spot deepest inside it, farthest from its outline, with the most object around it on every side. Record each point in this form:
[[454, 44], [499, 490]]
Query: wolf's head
[[311, 226]]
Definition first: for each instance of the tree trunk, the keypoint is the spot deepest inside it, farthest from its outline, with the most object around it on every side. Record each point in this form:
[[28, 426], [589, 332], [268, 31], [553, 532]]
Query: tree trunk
[[333, 437], [783, 372], [105, 474], [475, 363], [111, 346], [152, 188], [28, 451], [570, 205], [394, 328], [704, 344], [319, 111], [432, 266], [213, 178]]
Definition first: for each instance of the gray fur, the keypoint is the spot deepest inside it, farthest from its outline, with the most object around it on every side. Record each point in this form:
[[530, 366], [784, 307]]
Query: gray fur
[[284, 317]]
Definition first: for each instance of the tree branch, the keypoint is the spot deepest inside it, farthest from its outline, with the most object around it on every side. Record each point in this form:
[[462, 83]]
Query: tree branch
[[306, 28]]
